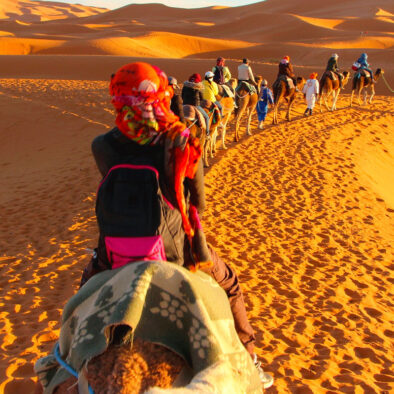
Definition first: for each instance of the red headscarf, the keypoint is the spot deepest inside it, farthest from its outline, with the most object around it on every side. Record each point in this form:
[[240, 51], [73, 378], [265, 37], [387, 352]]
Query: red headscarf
[[195, 78], [142, 98], [220, 61], [313, 76]]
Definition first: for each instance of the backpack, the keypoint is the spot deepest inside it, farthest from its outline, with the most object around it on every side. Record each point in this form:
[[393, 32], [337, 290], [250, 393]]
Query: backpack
[[218, 76], [135, 219]]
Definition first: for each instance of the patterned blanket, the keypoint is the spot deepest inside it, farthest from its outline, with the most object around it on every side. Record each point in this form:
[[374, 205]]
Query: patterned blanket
[[165, 304]]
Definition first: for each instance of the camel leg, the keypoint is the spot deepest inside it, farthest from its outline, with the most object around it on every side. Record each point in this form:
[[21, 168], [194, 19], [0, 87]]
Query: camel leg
[[224, 127], [351, 98], [372, 94], [249, 114], [288, 111], [334, 99], [365, 97], [326, 102], [213, 142], [206, 150]]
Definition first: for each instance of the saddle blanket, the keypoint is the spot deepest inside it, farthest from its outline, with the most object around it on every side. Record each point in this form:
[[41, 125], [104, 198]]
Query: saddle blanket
[[162, 303]]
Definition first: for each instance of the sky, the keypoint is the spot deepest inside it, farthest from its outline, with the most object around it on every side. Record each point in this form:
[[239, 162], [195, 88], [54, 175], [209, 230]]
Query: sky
[[112, 4]]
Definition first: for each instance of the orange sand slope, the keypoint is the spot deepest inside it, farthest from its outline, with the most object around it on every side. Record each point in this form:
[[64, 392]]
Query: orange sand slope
[[307, 30], [303, 210], [38, 11]]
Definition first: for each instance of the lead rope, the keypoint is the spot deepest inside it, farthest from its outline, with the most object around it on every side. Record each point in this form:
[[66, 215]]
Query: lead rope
[[66, 366], [388, 86]]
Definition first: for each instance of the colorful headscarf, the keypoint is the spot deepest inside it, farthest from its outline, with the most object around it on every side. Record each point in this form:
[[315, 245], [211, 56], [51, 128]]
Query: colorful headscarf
[[195, 78], [220, 61], [313, 75], [142, 98]]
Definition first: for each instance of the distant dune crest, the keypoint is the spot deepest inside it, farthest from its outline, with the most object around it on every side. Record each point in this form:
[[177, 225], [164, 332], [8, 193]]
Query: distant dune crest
[[264, 31]]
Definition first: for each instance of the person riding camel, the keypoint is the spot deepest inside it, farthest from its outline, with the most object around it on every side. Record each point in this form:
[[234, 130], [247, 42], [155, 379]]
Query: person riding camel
[[221, 72], [332, 65], [192, 95], [311, 90], [176, 101], [146, 129], [286, 69], [211, 90], [363, 62], [245, 73]]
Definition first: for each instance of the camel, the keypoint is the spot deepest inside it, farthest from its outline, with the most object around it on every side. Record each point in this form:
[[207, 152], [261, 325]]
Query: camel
[[331, 87], [125, 369], [228, 108], [362, 83], [281, 91], [246, 103]]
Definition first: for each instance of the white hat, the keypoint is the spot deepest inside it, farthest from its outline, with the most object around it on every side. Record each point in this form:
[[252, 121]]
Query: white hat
[[209, 74], [172, 81], [264, 82], [335, 55]]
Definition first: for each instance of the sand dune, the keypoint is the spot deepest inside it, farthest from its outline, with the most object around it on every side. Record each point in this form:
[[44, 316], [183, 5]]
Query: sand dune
[[154, 30], [37, 11], [303, 210]]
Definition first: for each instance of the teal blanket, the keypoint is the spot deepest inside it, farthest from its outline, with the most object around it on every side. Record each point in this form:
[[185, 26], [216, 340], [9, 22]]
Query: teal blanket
[[162, 303]]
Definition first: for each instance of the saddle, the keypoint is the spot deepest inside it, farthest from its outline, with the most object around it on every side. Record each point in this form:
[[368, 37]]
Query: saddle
[[363, 73], [228, 92], [333, 76], [251, 89], [212, 108], [191, 113], [287, 80]]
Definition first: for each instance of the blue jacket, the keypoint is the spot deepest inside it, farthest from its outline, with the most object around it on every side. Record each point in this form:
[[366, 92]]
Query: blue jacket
[[266, 96], [363, 60]]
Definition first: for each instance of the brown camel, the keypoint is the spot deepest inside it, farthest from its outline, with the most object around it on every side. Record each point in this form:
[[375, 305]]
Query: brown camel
[[246, 103], [121, 369], [281, 91], [331, 87], [228, 108], [361, 83]]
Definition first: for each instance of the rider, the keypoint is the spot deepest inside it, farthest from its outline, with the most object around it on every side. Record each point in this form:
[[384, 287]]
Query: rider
[[265, 98], [211, 90], [332, 65], [192, 95], [362, 60], [286, 69], [145, 125], [176, 101], [311, 90], [245, 73], [221, 72]]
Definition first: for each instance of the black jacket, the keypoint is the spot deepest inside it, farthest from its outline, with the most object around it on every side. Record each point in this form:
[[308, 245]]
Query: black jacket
[[114, 148], [192, 93], [177, 107]]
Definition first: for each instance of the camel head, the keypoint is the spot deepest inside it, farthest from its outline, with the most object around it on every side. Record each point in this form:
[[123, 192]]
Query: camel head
[[232, 83], [378, 73], [300, 82], [258, 80]]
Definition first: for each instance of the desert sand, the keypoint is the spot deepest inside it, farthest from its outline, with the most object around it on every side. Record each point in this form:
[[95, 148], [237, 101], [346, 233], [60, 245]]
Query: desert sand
[[303, 210]]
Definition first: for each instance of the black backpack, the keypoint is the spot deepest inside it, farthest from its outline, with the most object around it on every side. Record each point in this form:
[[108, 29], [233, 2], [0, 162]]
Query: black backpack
[[218, 76], [135, 219]]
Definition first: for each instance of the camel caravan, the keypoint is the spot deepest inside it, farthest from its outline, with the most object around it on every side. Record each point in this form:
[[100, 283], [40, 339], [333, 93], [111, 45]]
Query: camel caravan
[[158, 310]]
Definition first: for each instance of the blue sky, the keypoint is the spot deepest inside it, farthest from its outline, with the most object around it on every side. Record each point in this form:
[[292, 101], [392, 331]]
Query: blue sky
[[112, 4]]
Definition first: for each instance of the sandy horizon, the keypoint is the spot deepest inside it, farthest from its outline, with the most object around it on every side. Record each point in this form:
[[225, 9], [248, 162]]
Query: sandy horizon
[[302, 210]]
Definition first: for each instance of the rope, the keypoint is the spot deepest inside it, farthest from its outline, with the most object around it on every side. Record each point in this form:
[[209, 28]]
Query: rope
[[67, 367], [247, 94], [384, 79]]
